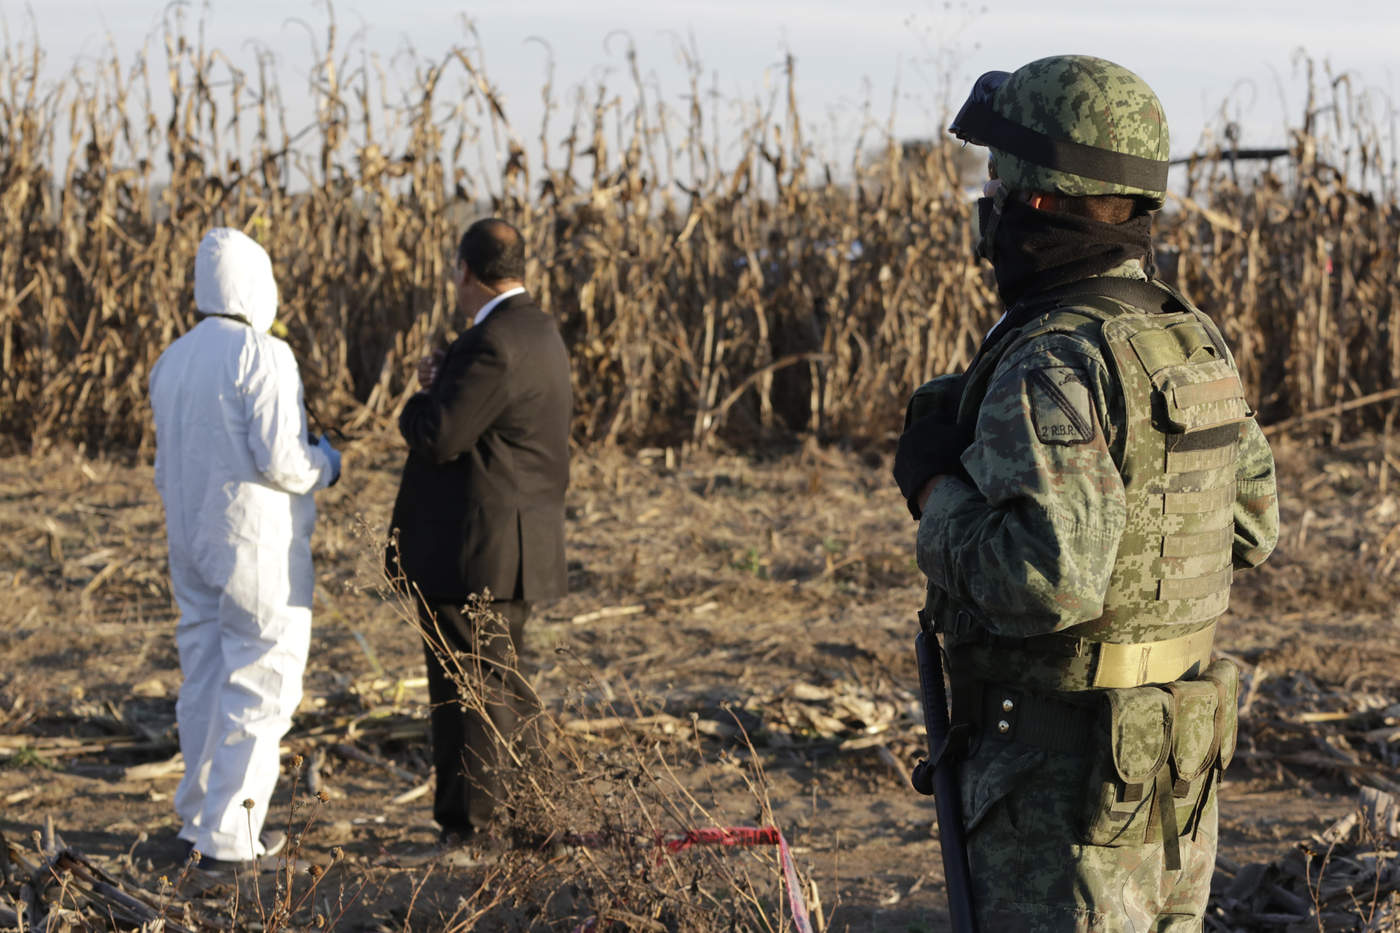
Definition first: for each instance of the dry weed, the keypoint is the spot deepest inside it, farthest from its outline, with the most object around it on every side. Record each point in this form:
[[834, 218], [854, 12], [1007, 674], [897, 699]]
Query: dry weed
[[596, 831]]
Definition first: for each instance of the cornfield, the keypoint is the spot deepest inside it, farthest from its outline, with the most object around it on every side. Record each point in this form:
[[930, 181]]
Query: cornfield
[[745, 292]]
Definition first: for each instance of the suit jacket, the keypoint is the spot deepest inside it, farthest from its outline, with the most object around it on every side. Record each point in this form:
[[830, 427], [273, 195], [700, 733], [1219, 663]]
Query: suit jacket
[[481, 501]]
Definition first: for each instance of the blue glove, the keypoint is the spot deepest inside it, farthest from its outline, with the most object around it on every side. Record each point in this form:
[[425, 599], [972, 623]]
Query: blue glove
[[333, 456]]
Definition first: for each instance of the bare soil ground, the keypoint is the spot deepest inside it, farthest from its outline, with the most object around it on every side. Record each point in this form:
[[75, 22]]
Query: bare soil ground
[[708, 593]]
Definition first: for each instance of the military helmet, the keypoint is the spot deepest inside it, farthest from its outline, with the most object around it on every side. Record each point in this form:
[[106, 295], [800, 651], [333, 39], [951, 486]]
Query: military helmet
[[1071, 124]]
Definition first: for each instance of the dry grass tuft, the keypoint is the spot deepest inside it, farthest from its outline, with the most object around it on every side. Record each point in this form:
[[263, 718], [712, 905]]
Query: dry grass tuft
[[591, 800]]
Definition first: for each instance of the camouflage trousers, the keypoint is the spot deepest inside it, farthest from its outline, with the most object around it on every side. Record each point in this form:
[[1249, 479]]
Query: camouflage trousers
[[1031, 873]]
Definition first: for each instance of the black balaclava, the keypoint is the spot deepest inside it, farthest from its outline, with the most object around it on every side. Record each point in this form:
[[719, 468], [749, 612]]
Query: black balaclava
[[1034, 250]]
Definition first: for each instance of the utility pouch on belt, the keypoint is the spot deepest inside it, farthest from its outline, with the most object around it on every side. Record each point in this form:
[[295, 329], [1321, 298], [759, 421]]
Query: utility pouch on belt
[[1157, 753]]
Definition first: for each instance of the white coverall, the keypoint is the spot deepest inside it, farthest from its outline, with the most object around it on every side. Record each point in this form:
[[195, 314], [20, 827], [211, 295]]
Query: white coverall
[[235, 470]]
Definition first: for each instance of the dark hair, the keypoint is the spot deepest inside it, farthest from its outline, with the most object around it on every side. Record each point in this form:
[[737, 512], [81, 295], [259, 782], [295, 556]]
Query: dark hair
[[493, 251]]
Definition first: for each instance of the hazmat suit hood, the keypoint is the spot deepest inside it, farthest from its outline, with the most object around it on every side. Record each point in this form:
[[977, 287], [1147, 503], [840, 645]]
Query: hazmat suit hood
[[233, 275]]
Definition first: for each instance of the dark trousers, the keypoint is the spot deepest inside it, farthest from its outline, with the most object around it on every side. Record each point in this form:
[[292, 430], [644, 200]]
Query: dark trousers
[[479, 700]]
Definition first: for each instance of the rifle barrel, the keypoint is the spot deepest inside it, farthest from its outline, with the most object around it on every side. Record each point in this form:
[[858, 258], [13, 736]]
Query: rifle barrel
[[946, 797]]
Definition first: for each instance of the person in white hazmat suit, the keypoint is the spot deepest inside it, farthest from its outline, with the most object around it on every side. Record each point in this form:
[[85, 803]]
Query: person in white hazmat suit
[[235, 468]]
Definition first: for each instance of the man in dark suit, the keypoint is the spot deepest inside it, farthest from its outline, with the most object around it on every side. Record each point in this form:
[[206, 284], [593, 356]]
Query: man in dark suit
[[480, 510]]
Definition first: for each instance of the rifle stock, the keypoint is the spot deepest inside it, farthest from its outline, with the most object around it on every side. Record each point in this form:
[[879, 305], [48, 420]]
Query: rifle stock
[[942, 768]]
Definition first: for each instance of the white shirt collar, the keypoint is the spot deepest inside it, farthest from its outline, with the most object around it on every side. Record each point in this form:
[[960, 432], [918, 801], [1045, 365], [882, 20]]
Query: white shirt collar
[[491, 305]]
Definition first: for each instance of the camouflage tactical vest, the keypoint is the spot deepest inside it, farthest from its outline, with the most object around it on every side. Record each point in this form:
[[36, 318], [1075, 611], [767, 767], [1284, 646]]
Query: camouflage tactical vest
[[1184, 406]]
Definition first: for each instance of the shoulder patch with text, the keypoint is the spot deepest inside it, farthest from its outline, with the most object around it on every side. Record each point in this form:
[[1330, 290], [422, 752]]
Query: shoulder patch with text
[[1061, 407]]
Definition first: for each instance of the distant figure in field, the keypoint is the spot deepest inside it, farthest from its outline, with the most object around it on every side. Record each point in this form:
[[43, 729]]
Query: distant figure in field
[[1085, 491], [480, 509], [236, 470]]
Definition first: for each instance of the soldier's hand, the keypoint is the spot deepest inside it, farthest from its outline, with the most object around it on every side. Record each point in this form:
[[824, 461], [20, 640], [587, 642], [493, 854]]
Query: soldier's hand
[[929, 448], [926, 490]]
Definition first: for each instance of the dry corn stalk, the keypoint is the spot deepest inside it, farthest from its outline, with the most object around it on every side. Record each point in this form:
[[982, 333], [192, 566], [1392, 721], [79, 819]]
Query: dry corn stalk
[[743, 290]]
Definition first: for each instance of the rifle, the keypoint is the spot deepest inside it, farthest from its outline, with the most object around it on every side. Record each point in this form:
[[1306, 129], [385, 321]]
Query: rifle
[[937, 775]]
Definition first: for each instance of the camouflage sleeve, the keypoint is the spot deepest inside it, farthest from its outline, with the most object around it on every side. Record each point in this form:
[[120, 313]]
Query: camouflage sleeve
[[1030, 544], [1256, 500]]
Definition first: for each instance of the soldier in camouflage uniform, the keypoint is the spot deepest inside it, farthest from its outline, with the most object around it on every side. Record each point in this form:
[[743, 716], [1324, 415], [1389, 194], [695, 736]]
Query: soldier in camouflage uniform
[[1085, 491]]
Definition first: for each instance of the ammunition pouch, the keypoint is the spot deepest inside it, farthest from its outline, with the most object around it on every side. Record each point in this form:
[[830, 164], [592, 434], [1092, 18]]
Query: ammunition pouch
[[1156, 754]]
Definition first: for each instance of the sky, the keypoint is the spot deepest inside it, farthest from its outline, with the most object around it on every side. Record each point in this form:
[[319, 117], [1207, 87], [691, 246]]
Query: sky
[[1204, 59]]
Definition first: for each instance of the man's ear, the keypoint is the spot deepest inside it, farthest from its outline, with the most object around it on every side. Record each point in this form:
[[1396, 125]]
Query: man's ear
[[1042, 202]]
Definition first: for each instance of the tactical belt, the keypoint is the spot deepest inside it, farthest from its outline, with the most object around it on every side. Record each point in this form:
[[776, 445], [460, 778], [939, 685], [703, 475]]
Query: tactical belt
[[1064, 662], [1153, 662], [1009, 714], [1013, 714]]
